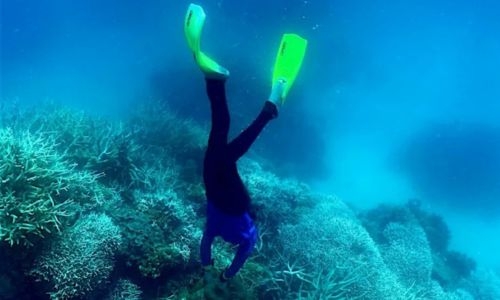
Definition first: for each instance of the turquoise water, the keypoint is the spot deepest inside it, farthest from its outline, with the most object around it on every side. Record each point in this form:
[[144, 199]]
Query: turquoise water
[[396, 100]]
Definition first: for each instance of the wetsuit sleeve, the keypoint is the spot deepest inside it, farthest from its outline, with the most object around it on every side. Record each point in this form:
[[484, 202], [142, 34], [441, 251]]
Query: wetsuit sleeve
[[206, 248], [242, 142], [242, 254]]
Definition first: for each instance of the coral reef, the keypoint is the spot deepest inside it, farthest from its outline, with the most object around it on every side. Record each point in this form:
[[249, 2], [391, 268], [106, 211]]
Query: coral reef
[[407, 253], [337, 259], [124, 290], [115, 210], [161, 231], [81, 260], [90, 143], [40, 190]]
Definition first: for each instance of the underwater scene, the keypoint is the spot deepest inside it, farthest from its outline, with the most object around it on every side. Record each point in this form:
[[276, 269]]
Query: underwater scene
[[298, 149]]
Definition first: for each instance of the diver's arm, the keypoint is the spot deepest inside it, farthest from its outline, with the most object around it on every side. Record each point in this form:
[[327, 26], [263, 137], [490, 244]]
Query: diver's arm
[[244, 251], [206, 249]]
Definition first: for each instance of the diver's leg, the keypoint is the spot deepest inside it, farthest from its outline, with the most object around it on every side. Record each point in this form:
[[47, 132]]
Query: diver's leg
[[219, 114], [245, 139], [242, 143]]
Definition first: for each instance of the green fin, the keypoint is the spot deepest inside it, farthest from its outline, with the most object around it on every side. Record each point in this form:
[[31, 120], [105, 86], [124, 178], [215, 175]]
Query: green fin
[[210, 67], [193, 27], [289, 60]]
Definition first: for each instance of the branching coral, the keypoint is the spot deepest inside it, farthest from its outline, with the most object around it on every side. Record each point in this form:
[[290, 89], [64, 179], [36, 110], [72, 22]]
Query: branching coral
[[40, 189], [91, 143], [81, 259], [274, 199], [156, 127], [161, 230], [448, 267], [408, 253], [338, 254], [124, 290], [115, 155], [74, 132]]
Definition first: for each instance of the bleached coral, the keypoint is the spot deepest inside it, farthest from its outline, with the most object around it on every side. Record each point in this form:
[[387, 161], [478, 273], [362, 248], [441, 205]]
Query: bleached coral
[[82, 259]]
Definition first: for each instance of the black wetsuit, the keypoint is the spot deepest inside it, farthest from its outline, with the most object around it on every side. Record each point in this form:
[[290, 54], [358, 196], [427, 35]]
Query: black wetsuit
[[224, 187], [228, 200]]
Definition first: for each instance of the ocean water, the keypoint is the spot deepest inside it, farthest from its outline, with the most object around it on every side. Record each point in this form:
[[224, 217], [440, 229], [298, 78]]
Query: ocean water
[[396, 101]]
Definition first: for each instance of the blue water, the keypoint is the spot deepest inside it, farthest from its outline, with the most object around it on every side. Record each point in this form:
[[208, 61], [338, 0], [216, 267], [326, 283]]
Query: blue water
[[395, 100]]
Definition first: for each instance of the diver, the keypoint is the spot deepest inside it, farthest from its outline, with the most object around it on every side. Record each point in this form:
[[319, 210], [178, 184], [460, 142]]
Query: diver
[[228, 201]]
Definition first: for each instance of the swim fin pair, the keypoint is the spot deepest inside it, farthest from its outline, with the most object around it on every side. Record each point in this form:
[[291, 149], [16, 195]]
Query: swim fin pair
[[288, 60]]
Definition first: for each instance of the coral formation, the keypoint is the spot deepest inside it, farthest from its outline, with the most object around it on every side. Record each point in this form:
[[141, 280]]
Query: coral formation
[[407, 253], [124, 290], [40, 190], [81, 260], [116, 210]]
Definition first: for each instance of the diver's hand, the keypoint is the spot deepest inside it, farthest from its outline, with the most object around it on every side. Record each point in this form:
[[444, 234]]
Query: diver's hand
[[209, 274], [223, 278]]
